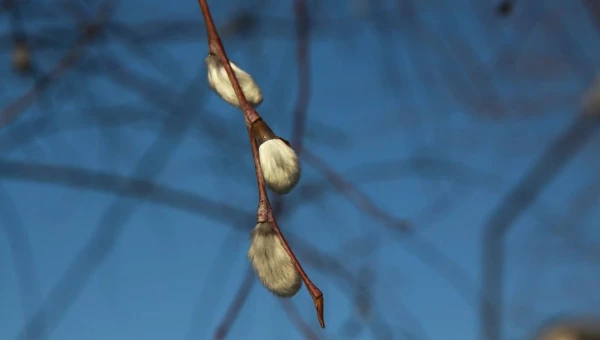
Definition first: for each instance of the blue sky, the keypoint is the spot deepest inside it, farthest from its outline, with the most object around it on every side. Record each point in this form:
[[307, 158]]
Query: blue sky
[[433, 112]]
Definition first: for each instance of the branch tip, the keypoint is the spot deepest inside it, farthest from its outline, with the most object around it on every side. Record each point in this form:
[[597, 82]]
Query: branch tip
[[319, 305]]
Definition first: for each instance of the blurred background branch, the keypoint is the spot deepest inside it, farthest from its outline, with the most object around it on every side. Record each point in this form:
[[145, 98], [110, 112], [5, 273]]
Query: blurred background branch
[[449, 186]]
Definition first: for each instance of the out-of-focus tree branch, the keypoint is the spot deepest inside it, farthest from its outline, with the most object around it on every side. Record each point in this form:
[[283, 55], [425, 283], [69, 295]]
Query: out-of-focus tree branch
[[18, 241], [109, 228], [296, 319], [236, 305], [91, 31], [515, 202]]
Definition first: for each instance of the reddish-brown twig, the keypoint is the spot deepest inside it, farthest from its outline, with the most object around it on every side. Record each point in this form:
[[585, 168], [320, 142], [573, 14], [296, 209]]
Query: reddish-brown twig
[[215, 46], [299, 125], [265, 213]]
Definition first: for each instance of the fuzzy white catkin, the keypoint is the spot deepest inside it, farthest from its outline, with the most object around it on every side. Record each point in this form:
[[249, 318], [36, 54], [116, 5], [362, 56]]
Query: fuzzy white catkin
[[280, 165], [271, 263], [219, 81]]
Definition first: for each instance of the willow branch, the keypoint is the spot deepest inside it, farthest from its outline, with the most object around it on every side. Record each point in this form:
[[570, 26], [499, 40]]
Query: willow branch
[[265, 213]]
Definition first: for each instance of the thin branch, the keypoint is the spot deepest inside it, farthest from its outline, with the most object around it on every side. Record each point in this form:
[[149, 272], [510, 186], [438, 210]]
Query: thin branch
[[265, 213], [146, 190], [50, 36], [356, 197], [215, 46], [302, 58], [303, 95], [296, 319], [580, 207], [517, 200], [594, 9], [236, 305], [116, 184], [300, 110], [427, 252], [92, 30], [71, 284], [299, 127], [19, 244]]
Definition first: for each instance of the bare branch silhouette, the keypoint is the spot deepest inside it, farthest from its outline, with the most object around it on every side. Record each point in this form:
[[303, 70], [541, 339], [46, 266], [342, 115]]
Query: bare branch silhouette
[[403, 105], [516, 201], [93, 29], [79, 272], [18, 241], [355, 196], [236, 305], [121, 185], [296, 319]]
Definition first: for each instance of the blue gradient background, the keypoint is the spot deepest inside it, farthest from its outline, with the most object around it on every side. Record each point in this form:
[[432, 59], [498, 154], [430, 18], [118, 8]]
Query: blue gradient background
[[387, 91]]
